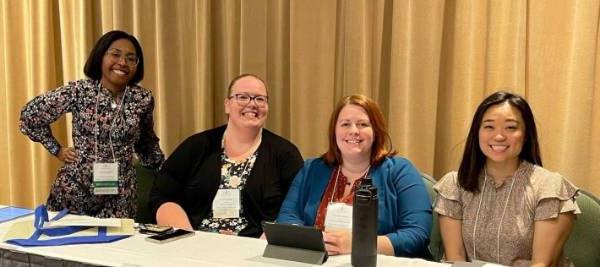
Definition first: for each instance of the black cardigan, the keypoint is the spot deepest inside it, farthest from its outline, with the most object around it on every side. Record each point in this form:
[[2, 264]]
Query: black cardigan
[[192, 174]]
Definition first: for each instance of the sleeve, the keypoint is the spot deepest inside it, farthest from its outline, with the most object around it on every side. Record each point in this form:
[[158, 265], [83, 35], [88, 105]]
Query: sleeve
[[556, 195], [414, 213], [147, 147], [175, 172], [40, 112], [448, 201], [292, 206]]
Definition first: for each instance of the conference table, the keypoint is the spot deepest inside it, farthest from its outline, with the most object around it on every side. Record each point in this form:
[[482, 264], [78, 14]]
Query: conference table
[[202, 249]]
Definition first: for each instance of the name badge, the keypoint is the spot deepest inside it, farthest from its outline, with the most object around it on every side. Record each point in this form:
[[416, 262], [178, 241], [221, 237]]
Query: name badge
[[106, 178], [338, 217], [226, 204]]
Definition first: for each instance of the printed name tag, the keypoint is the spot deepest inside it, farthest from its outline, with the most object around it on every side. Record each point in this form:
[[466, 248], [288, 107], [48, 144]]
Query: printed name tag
[[226, 204], [338, 217], [106, 178]]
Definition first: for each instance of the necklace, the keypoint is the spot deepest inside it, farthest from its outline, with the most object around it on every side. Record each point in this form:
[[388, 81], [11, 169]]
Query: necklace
[[363, 173], [337, 177], [96, 127]]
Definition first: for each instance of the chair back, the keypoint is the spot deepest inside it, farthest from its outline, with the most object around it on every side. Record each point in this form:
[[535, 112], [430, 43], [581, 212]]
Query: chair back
[[436, 247], [145, 180], [583, 246]]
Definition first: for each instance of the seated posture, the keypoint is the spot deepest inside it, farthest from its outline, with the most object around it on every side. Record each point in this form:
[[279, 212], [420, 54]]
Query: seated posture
[[231, 178], [502, 206], [322, 192]]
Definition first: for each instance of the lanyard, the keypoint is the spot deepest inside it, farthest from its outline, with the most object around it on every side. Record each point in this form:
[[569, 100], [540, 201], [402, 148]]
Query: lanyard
[[254, 146], [337, 176], [501, 217], [97, 130]]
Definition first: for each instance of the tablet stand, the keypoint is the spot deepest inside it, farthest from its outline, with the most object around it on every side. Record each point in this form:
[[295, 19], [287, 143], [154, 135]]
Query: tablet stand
[[295, 254]]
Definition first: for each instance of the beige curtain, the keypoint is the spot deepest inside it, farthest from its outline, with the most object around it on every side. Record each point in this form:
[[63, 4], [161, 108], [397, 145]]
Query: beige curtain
[[428, 63]]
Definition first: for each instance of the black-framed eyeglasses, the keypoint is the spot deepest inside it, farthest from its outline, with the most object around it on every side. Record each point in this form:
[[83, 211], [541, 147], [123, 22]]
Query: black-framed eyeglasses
[[116, 54], [244, 99]]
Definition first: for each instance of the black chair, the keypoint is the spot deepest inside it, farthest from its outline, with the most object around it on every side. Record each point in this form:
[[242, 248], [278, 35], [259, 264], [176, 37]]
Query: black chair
[[145, 180]]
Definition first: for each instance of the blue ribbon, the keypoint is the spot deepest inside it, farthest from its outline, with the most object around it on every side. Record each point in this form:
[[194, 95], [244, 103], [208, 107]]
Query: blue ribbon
[[41, 216]]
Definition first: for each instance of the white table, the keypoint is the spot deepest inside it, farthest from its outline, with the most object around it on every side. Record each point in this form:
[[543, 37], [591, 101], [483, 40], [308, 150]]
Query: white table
[[203, 249]]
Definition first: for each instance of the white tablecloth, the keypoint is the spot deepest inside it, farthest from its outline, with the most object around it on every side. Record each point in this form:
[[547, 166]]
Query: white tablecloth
[[203, 249]]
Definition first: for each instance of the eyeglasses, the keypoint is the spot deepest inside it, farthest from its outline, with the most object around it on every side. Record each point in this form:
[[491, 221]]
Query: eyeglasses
[[116, 54], [244, 99]]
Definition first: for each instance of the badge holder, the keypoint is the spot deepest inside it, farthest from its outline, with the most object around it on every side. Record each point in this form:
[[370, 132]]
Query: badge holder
[[294, 243]]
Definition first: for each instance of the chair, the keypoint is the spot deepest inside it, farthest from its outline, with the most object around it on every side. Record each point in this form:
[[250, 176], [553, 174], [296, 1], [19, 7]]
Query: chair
[[436, 247], [583, 246], [145, 180]]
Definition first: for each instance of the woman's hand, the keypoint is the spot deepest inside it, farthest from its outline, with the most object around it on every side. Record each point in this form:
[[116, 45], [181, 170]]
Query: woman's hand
[[67, 154], [338, 242]]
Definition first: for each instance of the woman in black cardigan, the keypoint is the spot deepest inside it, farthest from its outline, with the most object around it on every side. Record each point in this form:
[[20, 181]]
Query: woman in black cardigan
[[231, 178]]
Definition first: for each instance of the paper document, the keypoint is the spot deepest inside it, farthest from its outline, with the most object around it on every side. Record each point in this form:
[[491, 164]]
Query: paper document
[[9, 213], [77, 220]]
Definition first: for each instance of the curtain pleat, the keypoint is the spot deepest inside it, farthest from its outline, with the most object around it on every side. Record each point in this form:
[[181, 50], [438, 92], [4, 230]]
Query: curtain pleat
[[428, 63]]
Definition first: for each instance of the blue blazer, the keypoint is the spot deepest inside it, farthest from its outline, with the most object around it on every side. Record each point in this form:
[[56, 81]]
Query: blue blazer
[[404, 206]]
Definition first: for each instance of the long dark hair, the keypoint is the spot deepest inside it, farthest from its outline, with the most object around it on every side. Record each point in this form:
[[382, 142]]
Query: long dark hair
[[474, 159], [93, 65]]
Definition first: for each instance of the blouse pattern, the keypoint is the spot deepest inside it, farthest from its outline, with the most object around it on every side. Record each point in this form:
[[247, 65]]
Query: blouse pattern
[[334, 192], [233, 176], [503, 230], [97, 124]]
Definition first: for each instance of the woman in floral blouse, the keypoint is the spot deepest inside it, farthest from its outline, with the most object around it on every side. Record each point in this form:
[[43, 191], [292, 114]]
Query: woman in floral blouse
[[112, 120]]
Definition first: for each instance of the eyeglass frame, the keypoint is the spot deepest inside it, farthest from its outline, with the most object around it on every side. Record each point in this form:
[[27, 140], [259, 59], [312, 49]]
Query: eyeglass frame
[[117, 54], [250, 99]]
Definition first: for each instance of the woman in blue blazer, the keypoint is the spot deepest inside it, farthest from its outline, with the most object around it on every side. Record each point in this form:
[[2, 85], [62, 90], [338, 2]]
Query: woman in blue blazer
[[322, 192]]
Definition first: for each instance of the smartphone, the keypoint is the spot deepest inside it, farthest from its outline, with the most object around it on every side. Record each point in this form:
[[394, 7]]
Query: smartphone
[[146, 228], [170, 236]]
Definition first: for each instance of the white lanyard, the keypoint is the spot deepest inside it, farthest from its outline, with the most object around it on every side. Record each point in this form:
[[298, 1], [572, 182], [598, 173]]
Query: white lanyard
[[501, 217], [97, 130]]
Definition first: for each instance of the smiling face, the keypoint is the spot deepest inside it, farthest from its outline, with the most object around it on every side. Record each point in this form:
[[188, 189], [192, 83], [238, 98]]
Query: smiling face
[[353, 133], [248, 114], [502, 134], [116, 73]]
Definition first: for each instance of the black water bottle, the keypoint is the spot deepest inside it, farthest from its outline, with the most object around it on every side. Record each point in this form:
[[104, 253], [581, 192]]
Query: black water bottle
[[364, 224]]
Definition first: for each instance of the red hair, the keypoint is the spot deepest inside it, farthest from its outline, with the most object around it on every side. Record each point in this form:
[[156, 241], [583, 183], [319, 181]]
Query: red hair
[[382, 147]]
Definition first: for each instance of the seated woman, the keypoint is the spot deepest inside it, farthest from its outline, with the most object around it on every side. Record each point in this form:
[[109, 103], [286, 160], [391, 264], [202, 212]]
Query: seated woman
[[231, 178], [502, 206], [358, 146]]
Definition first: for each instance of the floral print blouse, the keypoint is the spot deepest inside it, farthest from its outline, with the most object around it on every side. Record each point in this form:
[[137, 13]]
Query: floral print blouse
[[99, 128], [233, 176]]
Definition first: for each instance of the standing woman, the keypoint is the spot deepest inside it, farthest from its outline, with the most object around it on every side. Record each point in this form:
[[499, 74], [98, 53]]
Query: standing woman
[[322, 192], [112, 120], [502, 206]]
